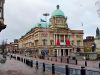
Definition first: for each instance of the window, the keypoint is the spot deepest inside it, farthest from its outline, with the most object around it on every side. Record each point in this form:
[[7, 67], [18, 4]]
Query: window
[[68, 36], [44, 42], [78, 36], [78, 43], [36, 42], [72, 42], [51, 42], [62, 38]]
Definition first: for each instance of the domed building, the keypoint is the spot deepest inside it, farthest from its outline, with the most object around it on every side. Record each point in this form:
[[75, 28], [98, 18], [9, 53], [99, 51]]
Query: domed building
[[56, 39]]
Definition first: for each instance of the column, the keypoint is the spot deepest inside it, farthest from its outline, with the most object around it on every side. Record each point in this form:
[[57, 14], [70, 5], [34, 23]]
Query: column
[[57, 52], [59, 36], [68, 52], [54, 39], [63, 52], [64, 40]]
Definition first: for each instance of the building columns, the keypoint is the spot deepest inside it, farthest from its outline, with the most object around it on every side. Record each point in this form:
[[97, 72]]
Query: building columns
[[64, 40], [54, 39]]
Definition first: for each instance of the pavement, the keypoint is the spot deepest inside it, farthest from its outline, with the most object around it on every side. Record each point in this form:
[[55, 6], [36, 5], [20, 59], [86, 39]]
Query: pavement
[[92, 65], [14, 67]]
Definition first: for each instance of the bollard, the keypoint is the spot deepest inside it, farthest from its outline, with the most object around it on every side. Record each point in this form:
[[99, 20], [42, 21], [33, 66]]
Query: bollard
[[68, 60], [83, 71], [99, 64], [11, 56], [85, 63], [53, 69], [19, 58], [31, 63], [26, 62], [22, 59], [76, 61], [66, 70], [15, 58], [43, 67], [36, 64]]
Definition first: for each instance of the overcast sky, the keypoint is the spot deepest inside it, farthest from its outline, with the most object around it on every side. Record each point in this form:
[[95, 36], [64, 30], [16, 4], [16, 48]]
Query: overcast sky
[[22, 15]]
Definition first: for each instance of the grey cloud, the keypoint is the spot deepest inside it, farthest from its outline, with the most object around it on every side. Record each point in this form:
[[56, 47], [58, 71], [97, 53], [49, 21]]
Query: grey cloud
[[22, 15]]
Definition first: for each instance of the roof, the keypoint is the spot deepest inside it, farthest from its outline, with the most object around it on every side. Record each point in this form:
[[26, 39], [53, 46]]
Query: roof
[[42, 25], [58, 12]]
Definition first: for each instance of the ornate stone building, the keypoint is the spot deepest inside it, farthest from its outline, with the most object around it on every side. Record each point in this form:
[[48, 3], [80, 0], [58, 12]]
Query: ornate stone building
[[12, 46], [2, 25], [58, 39], [88, 43]]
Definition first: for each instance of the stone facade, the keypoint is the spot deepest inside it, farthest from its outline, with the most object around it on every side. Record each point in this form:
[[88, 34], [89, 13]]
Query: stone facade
[[57, 39], [12, 46], [97, 41], [88, 42]]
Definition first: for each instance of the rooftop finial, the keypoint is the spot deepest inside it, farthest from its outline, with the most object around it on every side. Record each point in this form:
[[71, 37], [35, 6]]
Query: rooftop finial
[[97, 32], [58, 6]]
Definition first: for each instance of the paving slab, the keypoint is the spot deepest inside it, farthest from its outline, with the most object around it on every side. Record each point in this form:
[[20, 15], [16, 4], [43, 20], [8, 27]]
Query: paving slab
[[14, 67]]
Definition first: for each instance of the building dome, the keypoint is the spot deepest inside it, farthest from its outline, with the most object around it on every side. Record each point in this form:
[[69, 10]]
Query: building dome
[[58, 12], [42, 25]]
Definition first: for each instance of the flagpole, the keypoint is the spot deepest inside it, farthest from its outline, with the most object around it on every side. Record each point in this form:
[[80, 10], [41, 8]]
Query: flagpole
[[46, 15]]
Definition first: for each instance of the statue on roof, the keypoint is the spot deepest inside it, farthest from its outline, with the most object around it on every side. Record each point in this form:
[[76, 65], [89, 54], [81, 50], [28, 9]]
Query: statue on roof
[[58, 6], [97, 32]]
